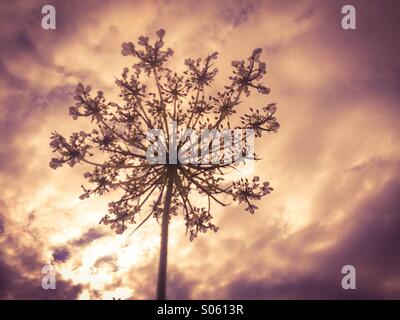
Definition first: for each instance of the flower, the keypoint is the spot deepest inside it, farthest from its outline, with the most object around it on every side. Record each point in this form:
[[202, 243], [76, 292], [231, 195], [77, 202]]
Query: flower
[[263, 90], [214, 56], [120, 139], [261, 121], [55, 163], [127, 48], [80, 89], [256, 53], [160, 33]]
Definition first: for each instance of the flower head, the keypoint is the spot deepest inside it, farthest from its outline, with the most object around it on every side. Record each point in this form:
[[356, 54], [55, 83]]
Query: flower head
[[152, 97]]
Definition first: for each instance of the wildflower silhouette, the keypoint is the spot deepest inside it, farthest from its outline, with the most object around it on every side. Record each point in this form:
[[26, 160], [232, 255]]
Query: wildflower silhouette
[[117, 148]]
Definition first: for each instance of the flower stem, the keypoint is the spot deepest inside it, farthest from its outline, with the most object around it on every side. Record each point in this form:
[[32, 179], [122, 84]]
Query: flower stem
[[162, 268]]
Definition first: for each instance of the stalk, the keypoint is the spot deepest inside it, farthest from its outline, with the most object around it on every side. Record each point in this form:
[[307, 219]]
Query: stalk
[[162, 268]]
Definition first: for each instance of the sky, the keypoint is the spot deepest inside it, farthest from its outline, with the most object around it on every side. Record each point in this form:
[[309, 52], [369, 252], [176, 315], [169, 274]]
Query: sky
[[334, 163]]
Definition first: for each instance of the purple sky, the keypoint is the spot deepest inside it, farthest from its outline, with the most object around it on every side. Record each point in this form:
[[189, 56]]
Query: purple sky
[[334, 164]]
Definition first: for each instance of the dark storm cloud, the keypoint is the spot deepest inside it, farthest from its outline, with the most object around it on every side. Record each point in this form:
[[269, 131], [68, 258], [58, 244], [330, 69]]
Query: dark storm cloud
[[109, 262], [105, 260], [2, 224], [20, 272], [23, 105], [89, 236], [370, 245], [21, 34], [61, 254], [238, 12], [11, 79], [372, 49], [180, 288], [15, 285], [22, 101], [19, 111]]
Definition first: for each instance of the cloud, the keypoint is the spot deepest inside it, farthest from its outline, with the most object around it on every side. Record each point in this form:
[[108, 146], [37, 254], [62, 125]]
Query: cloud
[[107, 261], [2, 224], [238, 12], [368, 243], [20, 269], [13, 285], [61, 254], [89, 236], [334, 164]]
